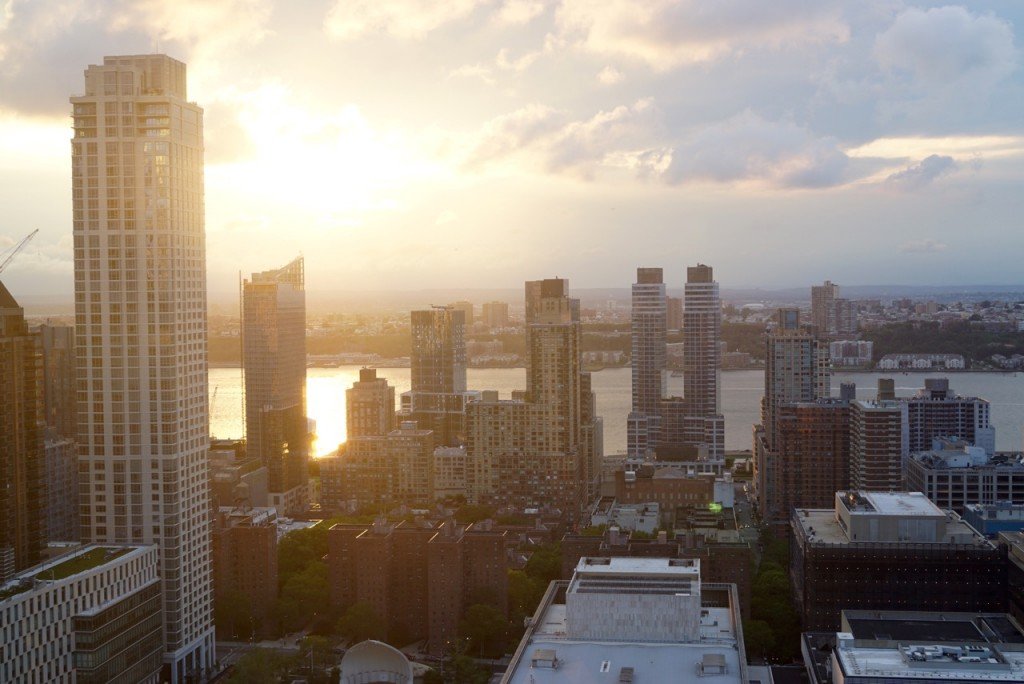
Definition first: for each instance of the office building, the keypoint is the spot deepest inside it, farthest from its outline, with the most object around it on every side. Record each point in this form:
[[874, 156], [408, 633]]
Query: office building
[[647, 327], [897, 646], [495, 314], [274, 364], [954, 474], [993, 518], [141, 334], [369, 406], [91, 616], [889, 551], [22, 459], [1011, 546], [634, 619]]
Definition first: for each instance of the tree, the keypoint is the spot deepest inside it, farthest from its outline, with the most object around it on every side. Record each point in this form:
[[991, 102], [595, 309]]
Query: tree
[[261, 666], [466, 671], [360, 622], [759, 638], [233, 615], [304, 596], [298, 549], [486, 629], [545, 564]]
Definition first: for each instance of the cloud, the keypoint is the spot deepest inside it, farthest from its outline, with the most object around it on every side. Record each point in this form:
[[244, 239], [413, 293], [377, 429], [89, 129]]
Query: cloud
[[748, 147], [609, 75], [669, 33], [445, 217], [350, 19], [925, 246], [44, 47], [944, 45], [549, 139], [519, 12], [917, 176]]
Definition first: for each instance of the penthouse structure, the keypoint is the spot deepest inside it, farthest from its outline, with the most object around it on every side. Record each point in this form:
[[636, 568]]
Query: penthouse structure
[[955, 474], [418, 578], [640, 619], [90, 616], [916, 556]]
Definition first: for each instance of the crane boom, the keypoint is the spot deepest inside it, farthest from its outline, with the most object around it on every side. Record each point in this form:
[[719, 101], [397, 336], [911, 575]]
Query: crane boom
[[17, 248]]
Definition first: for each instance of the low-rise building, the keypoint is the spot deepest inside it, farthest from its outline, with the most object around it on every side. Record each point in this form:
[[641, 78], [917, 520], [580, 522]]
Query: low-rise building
[[991, 519], [889, 551], [632, 619], [955, 473], [644, 517], [91, 616], [915, 646]]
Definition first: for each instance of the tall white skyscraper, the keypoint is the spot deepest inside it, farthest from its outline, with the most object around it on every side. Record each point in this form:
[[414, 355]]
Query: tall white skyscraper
[[140, 323]]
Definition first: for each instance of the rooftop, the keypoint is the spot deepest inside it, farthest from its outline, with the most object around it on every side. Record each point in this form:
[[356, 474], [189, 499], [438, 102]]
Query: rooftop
[[888, 503], [578, 661], [820, 526], [66, 565]]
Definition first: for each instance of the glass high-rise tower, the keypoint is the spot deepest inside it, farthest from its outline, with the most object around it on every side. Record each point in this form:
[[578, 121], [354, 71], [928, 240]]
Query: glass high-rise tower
[[140, 330]]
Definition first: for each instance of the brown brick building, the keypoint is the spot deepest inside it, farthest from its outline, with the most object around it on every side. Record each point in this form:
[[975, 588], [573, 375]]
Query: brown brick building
[[245, 570], [418, 577], [813, 440]]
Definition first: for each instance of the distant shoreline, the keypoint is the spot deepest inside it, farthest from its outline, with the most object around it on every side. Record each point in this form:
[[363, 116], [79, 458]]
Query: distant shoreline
[[845, 371]]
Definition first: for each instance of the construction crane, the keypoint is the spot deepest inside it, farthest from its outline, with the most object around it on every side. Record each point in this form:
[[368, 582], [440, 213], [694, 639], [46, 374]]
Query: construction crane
[[17, 248]]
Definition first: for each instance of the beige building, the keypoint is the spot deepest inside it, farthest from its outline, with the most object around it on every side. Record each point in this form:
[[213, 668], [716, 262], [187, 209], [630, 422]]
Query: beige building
[[140, 322]]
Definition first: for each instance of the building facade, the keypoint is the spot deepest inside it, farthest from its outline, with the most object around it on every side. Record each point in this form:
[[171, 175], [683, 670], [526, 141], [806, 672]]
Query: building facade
[[22, 459], [369, 406], [141, 333], [955, 474], [91, 616], [889, 551], [648, 329], [274, 364]]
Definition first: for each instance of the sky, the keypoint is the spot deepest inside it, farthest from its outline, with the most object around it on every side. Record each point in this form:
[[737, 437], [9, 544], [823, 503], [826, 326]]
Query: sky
[[408, 144]]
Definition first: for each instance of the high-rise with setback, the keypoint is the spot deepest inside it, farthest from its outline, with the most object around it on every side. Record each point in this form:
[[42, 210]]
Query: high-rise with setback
[[140, 330], [274, 361]]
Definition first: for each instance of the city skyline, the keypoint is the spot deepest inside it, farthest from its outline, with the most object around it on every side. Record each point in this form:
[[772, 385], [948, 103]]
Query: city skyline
[[883, 132]]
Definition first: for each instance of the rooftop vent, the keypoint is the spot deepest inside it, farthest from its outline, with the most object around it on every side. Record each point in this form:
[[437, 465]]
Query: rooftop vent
[[626, 675]]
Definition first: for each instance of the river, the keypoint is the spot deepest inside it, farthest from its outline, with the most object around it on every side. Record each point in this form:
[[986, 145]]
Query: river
[[741, 399]]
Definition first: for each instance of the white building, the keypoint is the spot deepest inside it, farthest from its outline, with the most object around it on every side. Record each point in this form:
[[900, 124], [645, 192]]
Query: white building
[[91, 615], [140, 326], [633, 619]]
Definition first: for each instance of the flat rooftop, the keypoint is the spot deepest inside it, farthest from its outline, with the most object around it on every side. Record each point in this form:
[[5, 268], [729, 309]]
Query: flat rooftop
[[890, 503], [820, 526], [687, 567], [585, 662], [916, 661]]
